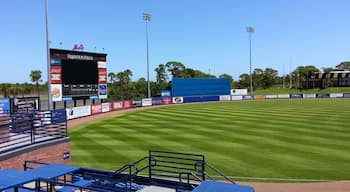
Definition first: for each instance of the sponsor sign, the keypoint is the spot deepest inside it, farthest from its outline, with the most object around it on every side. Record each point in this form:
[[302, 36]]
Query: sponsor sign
[[58, 116], [165, 93], [146, 102], [66, 155], [117, 105], [93, 97], [4, 106], [136, 103], [283, 96], [225, 97], [346, 95], [271, 96], [248, 97], [236, 98], [55, 61], [177, 100], [322, 95], [96, 108], [239, 92], [336, 95], [167, 101], [105, 107], [67, 99], [259, 97], [127, 104], [77, 112], [101, 64], [102, 75], [56, 75], [56, 92], [102, 91], [309, 96], [156, 101], [296, 96], [25, 104]]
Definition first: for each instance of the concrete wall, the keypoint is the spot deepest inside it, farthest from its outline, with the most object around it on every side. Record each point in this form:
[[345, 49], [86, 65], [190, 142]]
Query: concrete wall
[[57, 151]]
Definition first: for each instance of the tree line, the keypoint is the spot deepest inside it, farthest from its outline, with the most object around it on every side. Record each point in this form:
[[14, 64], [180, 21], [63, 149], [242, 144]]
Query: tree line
[[22, 89], [121, 86]]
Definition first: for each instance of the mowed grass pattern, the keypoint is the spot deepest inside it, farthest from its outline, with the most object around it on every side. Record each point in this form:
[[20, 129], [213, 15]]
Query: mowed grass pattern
[[288, 139]]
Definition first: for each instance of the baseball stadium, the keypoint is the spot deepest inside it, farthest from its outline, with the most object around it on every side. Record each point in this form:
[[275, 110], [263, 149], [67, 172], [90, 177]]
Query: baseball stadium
[[100, 122]]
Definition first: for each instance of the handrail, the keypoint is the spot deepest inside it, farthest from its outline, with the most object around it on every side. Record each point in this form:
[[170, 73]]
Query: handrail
[[219, 172]]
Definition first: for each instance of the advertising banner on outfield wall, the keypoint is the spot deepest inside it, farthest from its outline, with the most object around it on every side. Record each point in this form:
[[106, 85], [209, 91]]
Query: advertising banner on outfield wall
[[283, 96], [271, 96], [136, 103], [4, 106], [322, 95], [117, 105], [25, 104], [96, 108], [156, 101], [336, 95], [105, 107], [225, 97], [200, 99], [296, 96], [177, 100], [259, 97], [77, 112], [346, 95], [239, 92], [127, 104], [146, 102], [309, 96], [236, 98], [167, 101], [248, 97]]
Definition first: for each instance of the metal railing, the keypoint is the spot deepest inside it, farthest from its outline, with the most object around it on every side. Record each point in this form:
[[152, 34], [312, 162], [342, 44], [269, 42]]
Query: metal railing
[[25, 129]]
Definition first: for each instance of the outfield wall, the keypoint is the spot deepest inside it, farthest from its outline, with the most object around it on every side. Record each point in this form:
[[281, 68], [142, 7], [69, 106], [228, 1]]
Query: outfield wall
[[82, 111]]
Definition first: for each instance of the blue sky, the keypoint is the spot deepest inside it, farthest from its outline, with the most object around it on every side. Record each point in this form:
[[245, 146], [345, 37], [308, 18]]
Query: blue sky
[[202, 34]]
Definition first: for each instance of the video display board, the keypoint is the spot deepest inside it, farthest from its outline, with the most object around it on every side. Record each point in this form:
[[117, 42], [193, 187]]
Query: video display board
[[77, 75]]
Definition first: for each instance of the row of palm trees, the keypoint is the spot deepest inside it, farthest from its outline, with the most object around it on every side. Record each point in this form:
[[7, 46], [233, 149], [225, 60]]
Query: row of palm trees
[[22, 89]]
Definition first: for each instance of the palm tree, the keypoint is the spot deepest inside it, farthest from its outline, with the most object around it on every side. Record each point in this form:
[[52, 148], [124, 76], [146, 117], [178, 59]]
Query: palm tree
[[111, 76], [5, 89], [35, 76]]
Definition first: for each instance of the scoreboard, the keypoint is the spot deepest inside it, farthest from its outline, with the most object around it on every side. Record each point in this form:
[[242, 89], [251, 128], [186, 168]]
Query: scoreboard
[[77, 75]]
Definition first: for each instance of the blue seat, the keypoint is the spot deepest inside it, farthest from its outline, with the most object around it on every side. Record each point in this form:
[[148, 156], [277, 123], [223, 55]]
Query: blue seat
[[75, 185]]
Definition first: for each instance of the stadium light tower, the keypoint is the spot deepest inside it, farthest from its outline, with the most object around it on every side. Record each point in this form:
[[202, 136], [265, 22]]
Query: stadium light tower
[[48, 55], [250, 30], [147, 17]]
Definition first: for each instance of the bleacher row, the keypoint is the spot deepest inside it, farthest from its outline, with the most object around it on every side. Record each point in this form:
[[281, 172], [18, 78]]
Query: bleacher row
[[43, 177]]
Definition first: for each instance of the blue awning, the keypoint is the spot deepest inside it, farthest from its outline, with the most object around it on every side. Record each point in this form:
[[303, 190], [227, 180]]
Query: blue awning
[[215, 186]]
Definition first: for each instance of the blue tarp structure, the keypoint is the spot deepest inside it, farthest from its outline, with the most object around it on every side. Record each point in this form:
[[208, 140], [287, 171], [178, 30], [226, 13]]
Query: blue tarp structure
[[200, 86], [215, 186]]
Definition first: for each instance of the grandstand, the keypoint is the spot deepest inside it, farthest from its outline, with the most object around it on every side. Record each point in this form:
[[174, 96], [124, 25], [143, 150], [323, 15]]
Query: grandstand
[[167, 171]]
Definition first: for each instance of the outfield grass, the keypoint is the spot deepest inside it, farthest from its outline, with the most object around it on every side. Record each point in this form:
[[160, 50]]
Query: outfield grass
[[289, 139]]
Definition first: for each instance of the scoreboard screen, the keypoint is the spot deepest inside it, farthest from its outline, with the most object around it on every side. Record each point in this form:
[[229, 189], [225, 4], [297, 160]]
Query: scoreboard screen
[[77, 75]]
